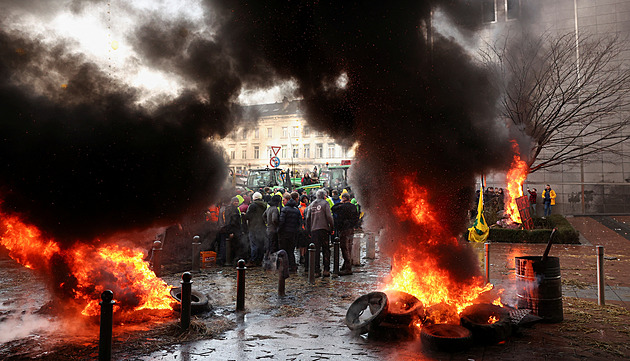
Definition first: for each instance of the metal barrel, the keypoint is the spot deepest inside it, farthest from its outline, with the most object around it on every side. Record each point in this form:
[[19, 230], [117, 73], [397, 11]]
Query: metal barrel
[[539, 287]]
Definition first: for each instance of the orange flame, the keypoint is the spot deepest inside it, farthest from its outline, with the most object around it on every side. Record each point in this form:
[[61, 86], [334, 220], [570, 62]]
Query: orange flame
[[414, 271], [515, 178], [492, 319], [93, 269]]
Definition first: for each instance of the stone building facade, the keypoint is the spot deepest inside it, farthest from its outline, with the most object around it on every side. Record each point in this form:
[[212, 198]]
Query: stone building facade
[[282, 125]]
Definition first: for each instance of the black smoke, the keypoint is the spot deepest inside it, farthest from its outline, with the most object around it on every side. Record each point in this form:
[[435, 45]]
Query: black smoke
[[80, 159]]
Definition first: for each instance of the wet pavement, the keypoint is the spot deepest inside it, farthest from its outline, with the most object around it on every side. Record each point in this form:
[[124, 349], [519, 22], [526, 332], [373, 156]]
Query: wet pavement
[[320, 333], [308, 323]]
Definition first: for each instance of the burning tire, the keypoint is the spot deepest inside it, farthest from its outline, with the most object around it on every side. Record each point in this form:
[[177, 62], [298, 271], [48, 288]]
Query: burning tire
[[445, 337], [198, 301], [376, 302], [404, 309], [488, 323]]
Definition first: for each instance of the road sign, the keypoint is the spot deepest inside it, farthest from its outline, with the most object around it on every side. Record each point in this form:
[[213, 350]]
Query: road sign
[[275, 149], [274, 162]]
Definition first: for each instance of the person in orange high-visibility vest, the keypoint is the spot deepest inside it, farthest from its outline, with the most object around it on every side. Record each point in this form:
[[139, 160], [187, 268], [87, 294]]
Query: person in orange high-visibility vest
[[212, 214]]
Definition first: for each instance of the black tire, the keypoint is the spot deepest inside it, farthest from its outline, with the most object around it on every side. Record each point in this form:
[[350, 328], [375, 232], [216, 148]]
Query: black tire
[[404, 309], [475, 318], [377, 303], [445, 337], [198, 301]]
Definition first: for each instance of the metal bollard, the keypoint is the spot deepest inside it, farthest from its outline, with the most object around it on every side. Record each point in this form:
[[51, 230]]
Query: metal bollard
[[157, 258], [228, 252], [370, 247], [311, 263], [196, 247], [487, 248], [281, 282], [240, 285], [336, 257], [355, 252], [107, 322], [601, 285], [186, 299]]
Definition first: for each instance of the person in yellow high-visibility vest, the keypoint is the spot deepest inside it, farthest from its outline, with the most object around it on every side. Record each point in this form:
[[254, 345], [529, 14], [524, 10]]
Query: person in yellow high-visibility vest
[[549, 199]]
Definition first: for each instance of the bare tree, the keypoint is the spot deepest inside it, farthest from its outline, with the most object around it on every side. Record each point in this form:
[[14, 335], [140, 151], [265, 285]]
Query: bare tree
[[570, 96]]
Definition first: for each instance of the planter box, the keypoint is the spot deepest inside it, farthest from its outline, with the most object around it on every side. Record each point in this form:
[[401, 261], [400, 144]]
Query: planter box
[[566, 234]]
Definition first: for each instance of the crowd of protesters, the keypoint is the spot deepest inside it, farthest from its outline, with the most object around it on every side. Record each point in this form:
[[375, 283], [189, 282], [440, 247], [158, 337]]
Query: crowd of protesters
[[254, 226]]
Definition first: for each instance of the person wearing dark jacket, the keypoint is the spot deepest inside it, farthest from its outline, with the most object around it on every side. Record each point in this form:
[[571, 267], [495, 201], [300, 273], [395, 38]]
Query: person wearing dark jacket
[[346, 218], [533, 194], [272, 218], [233, 227], [257, 229], [320, 222], [288, 228]]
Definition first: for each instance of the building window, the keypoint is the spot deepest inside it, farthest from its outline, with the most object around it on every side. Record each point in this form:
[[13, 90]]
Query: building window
[[256, 152], [269, 132], [307, 131], [269, 151], [257, 133], [285, 132], [319, 133], [512, 9], [284, 151], [319, 151], [244, 154], [488, 11], [344, 152], [331, 150], [296, 152], [244, 134], [307, 150], [232, 154], [296, 131], [233, 135]]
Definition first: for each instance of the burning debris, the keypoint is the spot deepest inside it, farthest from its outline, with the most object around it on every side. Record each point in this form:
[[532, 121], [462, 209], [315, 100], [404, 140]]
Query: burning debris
[[82, 272]]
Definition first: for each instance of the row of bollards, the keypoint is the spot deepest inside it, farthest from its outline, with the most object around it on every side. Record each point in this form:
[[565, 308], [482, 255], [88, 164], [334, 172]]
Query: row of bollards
[[107, 303], [601, 285]]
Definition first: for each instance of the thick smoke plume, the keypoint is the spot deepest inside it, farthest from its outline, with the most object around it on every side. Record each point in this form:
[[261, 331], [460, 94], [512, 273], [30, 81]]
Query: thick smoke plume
[[82, 160]]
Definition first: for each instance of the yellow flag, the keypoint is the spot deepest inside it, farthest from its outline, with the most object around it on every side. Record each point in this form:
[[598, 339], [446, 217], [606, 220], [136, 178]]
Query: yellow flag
[[480, 230]]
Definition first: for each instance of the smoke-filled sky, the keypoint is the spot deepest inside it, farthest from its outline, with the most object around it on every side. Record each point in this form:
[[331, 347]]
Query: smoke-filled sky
[[106, 107]]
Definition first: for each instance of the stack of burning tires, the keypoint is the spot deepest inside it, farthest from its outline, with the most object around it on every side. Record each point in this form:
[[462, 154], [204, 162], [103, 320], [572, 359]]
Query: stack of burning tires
[[400, 315]]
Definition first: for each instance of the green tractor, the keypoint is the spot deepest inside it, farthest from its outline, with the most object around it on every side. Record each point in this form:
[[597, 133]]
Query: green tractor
[[273, 178], [335, 177]]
